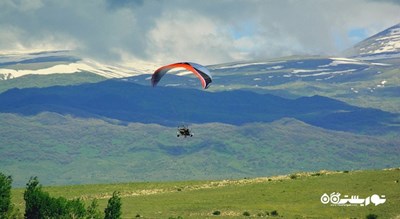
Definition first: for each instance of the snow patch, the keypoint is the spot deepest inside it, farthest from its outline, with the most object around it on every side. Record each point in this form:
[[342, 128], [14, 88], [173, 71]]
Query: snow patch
[[342, 61], [380, 64], [354, 90], [328, 73], [107, 71], [275, 67], [63, 68], [382, 84], [173, 85], [250, 64], [295, 71]]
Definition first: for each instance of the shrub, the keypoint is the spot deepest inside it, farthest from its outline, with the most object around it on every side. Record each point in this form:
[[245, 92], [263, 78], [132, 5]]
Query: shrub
[[246, 213], [92, 212], [371, 216], [293, 176], [274, 213], [216, 213], [74, 208]]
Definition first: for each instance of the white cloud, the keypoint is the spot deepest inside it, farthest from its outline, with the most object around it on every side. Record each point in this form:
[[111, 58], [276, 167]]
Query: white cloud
[[205, 31], [22, 5], [187, 35]]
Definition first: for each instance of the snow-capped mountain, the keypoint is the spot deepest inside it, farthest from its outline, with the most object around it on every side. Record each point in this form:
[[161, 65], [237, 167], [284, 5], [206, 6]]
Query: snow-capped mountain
[[385, 44], [264, 74], [53, 62], [370, 72], [305, 68]]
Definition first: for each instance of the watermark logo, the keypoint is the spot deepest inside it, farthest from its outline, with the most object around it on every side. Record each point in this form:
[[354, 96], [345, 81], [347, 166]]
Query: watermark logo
[[354, 200]]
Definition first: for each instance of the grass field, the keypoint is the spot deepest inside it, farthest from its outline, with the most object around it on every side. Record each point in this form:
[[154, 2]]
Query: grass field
[[291, 196]]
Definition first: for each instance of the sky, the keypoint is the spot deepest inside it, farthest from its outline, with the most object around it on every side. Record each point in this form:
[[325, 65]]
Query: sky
[[206, 31]]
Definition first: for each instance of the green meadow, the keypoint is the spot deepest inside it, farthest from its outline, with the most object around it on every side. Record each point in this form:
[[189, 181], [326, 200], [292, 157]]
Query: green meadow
[[288, 196]]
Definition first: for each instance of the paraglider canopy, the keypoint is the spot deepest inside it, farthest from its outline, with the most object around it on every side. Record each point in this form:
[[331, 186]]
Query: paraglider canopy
[[200, 71]]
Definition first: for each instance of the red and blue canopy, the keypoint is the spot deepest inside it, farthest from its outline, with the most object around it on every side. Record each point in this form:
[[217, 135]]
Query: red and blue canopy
[[200, 71]]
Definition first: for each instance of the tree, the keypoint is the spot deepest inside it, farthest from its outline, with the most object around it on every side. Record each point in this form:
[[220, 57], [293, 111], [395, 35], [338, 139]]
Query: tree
[[33, 199], [113, 210], [5, 195], [75, 208], [39, 204], [92, 212]]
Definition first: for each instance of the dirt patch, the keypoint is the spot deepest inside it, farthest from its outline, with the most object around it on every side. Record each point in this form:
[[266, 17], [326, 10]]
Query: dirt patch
[[208, 185]]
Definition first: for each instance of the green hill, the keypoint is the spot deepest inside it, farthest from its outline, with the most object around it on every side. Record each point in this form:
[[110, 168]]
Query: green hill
[[63, 150], [290, 196]]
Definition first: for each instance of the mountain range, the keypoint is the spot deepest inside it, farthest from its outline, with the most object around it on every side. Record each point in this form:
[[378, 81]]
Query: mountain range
[[74, 120], [130, 102]]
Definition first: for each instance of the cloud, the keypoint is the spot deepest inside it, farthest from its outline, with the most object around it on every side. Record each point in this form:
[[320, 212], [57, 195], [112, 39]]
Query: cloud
[[204, 31], [116, 4], [187, 35], [22, 5], [388, 1]]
